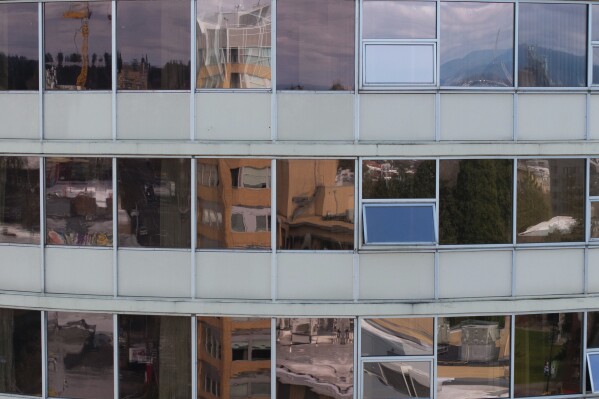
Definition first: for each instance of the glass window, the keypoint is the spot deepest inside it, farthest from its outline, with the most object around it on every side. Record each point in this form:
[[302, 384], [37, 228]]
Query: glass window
[[388, 64], [80, 355], [595, 23], [315, 358], [153, 45], [398, 19], [78, 49], [397, 379], [596, 64], [397, 337], [401, 179], [550, 200], [233, 45], [473, 357], [154, 202], [155, 361], [20, 352], [593, 330], [475, 201], [19, 200], [552, 45], [19, 46], [594, 177], [594, 219], [315, 44], [593, 362], [79, 201], [315, 204], [399, 223], [478, 44]]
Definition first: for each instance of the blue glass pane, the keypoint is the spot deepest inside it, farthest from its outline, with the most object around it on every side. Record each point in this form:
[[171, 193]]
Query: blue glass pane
[[594, 368], [399, 224]]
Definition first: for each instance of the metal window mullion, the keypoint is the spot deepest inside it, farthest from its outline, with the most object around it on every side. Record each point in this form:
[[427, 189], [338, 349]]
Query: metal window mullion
[[584, 352], [515, 201], [435, 354], [42, 188], [512, 354], [437, 64], [193, 72], [194, 357], [44, 348], [114, 72], [273, 357], [357, 224], [40, 68], [194, 226], [115, 230], [273, 230], [438, 222], [589, 46], [587, 201], [273, 73], [356, 71], [516, 39], [115, 354]]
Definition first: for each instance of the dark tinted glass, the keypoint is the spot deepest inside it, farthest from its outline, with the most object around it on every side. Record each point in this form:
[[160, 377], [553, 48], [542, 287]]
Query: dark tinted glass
[[595, 219], [155, 358], [315, 358], [79, 201], [478, 44], [20, 352], [595, 23], [154, 202], [397, 380], [596, 65], [315, 44], [391, 19], [18, 46], [233, 203], [80, 355], [397, 337], [592, 330], [233, 44], [398, 179], [153, 40], [550, 200], [473, 357], [19, 200], [594, 177], [552, 41], [547, 354], [315, 204], [392, 224], [475, 201]]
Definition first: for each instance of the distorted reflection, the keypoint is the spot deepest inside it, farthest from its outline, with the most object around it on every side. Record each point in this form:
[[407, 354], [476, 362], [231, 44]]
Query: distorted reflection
[[20, 352], [475, 201], [384, 380], [233, 203], [473, 357], [233, 44], [80, 355], [19, 200], [154, 202], [547, 354], [79, 201], [315, 358], [595, 56], [233, 357], [153, 40], [594, 176], [384, 19], [550, 200], [154, 357], [398, 179], [19, 46], [397, 337], [315, 204], [595, 219]]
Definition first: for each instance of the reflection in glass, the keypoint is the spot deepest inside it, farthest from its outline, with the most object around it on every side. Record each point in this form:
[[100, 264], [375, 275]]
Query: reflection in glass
[[478, 44], [233, 357], [384, 19], [398, 179], [550, 200], [397, 337], [473, 357], [154, 202], [77, 40], [153, 45], [80, 355], [315, 44], [18, 46], [475, 201], [397, 380], [594, 177], [547, 354], [315, 358], [593, 371], [315, 204], [592, 330], [154, 357], [20, 200], [595, 23], [233, 45], [595, 64], [20, 352], [233, 203], [552, 41], [79, 201], [595, 219]]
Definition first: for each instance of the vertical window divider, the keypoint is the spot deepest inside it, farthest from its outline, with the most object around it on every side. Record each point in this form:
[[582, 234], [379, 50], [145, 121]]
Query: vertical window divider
[[435, 354], [114, 72], [358, 392], [583, 348], [512, 347], [273, 230], [44, 348], [115, 230], [194, 357], [42, 189], [194, 225], [587, 130], [585, 275], [40, 68], [513, 276], [437, 190], [515, 202], [357, 213], [115, 355], [587, 202], [515, 118], [437, 66], [357, 35], [273, 75], [193, 72], [589, 56], [516, 82], [273, 357]]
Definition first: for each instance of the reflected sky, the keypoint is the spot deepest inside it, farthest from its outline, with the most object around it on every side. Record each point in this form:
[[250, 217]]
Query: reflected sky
[[595, 26], [18, 30], [399, 20]]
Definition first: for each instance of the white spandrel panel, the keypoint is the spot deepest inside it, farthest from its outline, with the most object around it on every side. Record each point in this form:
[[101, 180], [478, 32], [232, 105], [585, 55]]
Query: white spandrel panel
[[549, 272], [20, 268], [19, 113], [84, 271], [593, 276], [77, 116], [551, 116], [594, 117]]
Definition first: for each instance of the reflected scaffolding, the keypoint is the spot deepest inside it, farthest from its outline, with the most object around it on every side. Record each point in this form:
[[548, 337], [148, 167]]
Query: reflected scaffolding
[[387, 380], [400, 179], [19, 46], [397, 337]]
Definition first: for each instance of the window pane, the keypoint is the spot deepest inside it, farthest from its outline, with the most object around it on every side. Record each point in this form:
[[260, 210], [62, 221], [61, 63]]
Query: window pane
[[233, 45], [154, 202], [475, 201], [594, 370], [398, 179], [315, 44], [233, 203], [20, 200], [397, 380], [155, 361], [399, 64], [315, 358], [478, 44], [594, 219], [396, 224], [20, 352], [596, 64], [397, 337], [153, 45], [550, 200], [552, 42], [594, 177], [315, 204], [79, 201], [78, 49], [392, 19], [595, 24], [592, 330], [473, 357], [547, 354], [80, 355], [18, 46]]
